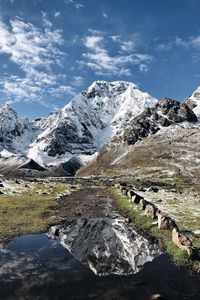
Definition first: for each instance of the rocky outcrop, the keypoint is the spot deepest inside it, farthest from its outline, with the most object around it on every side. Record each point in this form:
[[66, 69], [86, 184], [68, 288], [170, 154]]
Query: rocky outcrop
[[165, 113]]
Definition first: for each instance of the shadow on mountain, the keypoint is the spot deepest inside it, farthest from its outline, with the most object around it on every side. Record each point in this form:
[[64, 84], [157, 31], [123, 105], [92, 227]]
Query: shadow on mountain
[[21, 166]]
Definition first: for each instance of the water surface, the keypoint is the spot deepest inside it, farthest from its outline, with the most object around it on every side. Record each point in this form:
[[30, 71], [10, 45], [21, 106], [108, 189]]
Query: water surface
[[35, 267]]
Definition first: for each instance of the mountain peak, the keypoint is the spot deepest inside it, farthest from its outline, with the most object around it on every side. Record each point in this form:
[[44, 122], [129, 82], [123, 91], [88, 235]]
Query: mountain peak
[[6, 106], [92, 117], [106, 86]]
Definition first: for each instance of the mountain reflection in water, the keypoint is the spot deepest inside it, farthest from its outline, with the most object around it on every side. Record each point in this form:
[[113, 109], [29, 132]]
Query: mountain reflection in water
[[35, 267]]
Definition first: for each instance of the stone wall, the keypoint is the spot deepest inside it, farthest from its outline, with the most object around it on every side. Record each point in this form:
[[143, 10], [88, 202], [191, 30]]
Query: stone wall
[[164, 221]]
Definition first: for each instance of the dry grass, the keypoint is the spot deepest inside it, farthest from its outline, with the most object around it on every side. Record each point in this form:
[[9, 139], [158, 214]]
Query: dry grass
[[28, 211]]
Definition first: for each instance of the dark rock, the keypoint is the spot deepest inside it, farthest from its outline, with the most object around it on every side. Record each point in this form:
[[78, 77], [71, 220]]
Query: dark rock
[[130, 193], [136, 198], [165, 222], [154, 189], [165, 113], [54, 230], [17, 181]]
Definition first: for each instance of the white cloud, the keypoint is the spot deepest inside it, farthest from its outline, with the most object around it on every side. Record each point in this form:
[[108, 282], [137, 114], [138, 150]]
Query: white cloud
[[115, 38], [125, 46], [36, 52], [128, 46], [95, 31], [104, 15], [180, 42], [102, 62], [77, 81], [195, 42], [62, 89], [57, 14], [74, 3], [143, 68], [192, 42], [165, 46], [93, 42]]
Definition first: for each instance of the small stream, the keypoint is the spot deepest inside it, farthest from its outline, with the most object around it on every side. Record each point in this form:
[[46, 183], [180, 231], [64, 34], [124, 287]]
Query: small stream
[[36, 267]]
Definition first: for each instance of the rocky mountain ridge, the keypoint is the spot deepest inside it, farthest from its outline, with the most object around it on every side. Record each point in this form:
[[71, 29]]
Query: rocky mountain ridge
[[73, 135], [166, 112], [85, 124], [77, 130]]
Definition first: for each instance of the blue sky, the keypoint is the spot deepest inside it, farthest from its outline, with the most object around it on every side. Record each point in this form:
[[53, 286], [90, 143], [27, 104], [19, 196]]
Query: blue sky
[[52, 49]]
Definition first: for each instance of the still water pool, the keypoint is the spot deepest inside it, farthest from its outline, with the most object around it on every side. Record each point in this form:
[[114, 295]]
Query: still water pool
[[36, 267]]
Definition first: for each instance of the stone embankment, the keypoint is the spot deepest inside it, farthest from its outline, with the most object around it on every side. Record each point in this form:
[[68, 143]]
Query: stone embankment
[[164, 221]]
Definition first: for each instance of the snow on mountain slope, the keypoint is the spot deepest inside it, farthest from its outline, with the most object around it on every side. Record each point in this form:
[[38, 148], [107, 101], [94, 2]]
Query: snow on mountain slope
[[193, 101], [15, 134], [89, 121]]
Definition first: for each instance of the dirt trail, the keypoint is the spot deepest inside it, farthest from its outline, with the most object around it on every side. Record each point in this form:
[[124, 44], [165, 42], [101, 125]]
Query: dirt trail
[[89, 203]]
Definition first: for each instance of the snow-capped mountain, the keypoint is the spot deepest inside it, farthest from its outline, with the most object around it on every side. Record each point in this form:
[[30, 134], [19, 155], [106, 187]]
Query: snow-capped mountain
[[15, 134], [193, 101], [89, 121], [73, 135]]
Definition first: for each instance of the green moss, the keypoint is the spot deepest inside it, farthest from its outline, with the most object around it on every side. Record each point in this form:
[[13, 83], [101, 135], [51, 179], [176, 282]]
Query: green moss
[[128, 209]]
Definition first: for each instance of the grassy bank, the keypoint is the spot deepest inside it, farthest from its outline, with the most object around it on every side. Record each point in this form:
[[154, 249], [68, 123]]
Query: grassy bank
[[126, 208], [31, 210]]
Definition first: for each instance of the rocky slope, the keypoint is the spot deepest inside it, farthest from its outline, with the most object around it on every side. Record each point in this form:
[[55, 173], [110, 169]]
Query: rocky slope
[[160, 144], [193, 101], [15, 134], [165, 113], [89, 121]]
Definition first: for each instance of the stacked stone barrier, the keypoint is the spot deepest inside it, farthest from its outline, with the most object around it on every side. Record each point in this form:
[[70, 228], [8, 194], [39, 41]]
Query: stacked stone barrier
[[164, 221]]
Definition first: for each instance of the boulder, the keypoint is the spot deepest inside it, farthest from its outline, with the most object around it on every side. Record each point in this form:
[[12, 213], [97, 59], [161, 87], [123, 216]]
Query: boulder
[[142, 204], [130, 193], [154, 189], [136, 198], [122, 185], [54, 230], [165, 222], [17, 181], [182, 241], [151, 210]]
